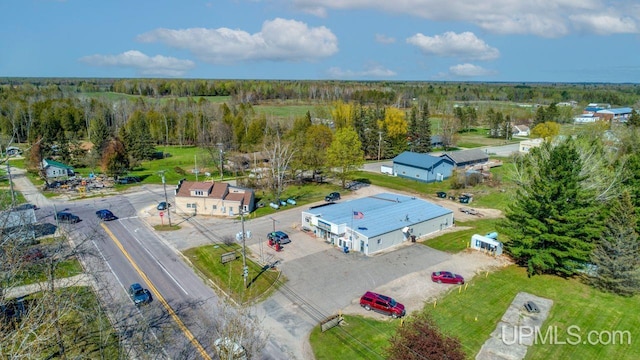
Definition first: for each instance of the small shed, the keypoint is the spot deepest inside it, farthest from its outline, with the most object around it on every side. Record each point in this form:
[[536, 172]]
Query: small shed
[[485, 243]]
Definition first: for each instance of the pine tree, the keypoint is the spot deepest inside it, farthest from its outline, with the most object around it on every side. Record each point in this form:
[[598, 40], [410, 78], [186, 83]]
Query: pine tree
[[554, 221], [422, 132], [617, 255]]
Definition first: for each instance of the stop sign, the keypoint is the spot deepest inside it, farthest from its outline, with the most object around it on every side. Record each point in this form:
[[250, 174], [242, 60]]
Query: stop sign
[[161, 213]]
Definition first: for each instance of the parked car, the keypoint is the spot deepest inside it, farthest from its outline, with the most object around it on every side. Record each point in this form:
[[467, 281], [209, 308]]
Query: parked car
[[332, 197], [279, 236], [26, 207], [382, 304], [163, 205], [67, 217], [129, 180], [446, 277], [139, 295], [105, 215], [229, 349], [291, 201]]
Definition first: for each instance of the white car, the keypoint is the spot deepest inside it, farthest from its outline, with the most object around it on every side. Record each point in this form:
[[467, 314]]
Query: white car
[[228, 349]]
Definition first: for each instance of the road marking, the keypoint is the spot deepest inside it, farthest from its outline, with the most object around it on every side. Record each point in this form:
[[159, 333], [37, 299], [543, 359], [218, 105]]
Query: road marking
[[156, 293], [157, 261]]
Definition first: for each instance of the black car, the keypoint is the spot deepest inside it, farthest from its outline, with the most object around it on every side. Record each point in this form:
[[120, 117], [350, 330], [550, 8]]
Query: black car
[[67, 217], [163, 205], [332, 197], [139, 295], [105, 215]]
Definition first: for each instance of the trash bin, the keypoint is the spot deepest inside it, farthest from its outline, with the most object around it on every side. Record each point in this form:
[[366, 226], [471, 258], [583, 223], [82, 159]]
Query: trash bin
[[413, 238], [346, 249]]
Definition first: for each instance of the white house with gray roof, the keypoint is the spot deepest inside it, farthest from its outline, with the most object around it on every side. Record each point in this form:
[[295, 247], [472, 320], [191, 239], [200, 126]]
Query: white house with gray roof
[[375, 223]]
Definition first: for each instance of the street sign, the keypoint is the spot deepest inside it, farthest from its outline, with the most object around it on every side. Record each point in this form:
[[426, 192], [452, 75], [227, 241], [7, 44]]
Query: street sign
[[161, 213]]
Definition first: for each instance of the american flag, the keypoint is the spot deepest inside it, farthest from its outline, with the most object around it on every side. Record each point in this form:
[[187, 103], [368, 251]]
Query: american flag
[[358, 215]]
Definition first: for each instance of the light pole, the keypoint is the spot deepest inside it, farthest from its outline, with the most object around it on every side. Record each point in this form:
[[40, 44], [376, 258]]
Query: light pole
[[166, 201]]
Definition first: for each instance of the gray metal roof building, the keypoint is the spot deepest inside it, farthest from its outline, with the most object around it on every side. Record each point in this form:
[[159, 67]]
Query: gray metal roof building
[[377, 222]]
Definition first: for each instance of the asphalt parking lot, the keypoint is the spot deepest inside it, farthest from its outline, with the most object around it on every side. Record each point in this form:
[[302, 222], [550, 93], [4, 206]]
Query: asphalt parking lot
[[322, 280]]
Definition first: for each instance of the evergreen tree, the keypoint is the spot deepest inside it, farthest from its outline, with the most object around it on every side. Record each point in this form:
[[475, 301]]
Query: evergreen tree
[[554, 221], [99, 133], [137, 138], [422, 132], [617, 255], [634, 119]]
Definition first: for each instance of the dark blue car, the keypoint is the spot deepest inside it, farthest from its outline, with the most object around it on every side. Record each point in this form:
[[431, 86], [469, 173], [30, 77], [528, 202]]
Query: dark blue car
[[105, 215], [139, 295]]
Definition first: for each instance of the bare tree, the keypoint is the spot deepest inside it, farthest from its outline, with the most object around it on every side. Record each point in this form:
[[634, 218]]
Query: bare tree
[[280, 155]]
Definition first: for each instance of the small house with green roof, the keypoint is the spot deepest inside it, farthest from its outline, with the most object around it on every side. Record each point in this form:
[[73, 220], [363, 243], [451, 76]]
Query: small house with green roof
[[57, 170]]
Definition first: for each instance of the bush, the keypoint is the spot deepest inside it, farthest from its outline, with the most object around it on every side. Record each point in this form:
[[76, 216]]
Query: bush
[[179, 170]]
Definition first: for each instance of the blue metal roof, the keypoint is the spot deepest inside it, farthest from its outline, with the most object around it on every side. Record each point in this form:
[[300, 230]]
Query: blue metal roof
[[418, 160], [383, 213], [618, 111]]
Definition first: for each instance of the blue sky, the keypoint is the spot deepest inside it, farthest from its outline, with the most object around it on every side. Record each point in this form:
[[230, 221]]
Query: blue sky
[[397, 40]]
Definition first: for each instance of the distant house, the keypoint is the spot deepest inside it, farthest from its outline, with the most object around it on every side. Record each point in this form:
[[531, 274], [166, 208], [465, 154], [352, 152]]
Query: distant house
[[422, 167], [13, 151], [527, 145], [520, 130], [213, 198], [464, 158], [56, 170], [436, 141], [617, 114], [585, 118]]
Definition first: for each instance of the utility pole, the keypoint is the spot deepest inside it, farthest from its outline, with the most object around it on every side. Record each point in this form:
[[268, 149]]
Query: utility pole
[[195, 160], [245, 269], [164, 185], [13, 195], [379, 143]]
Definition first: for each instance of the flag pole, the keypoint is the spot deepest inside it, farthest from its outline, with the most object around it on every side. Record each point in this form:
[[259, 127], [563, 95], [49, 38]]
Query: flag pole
[[351, 233]]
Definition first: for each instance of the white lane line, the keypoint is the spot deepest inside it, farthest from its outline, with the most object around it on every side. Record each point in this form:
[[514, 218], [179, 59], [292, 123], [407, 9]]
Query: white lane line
[[156, 260]]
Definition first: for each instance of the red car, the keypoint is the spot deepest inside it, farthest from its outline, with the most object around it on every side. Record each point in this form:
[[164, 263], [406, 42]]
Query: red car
[[446, 277]]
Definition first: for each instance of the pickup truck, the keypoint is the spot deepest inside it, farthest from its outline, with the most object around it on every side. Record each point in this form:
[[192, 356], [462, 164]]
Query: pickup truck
[[139, 295]]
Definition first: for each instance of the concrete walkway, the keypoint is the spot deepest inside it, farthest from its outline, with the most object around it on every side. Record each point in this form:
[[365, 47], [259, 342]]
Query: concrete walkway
[[18, 291]]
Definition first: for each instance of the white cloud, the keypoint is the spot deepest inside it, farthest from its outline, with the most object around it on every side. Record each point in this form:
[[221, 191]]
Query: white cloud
[[469, 70], [370, 71], [279, 39], [545, 18], [464, 45], [383, 39], [145, 65], [604, 24]]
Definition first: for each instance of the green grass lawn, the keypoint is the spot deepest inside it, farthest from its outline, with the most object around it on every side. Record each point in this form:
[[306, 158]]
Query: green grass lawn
[[357, 338], [457, 241], [38, 271], [228, 276], [472, 314]]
